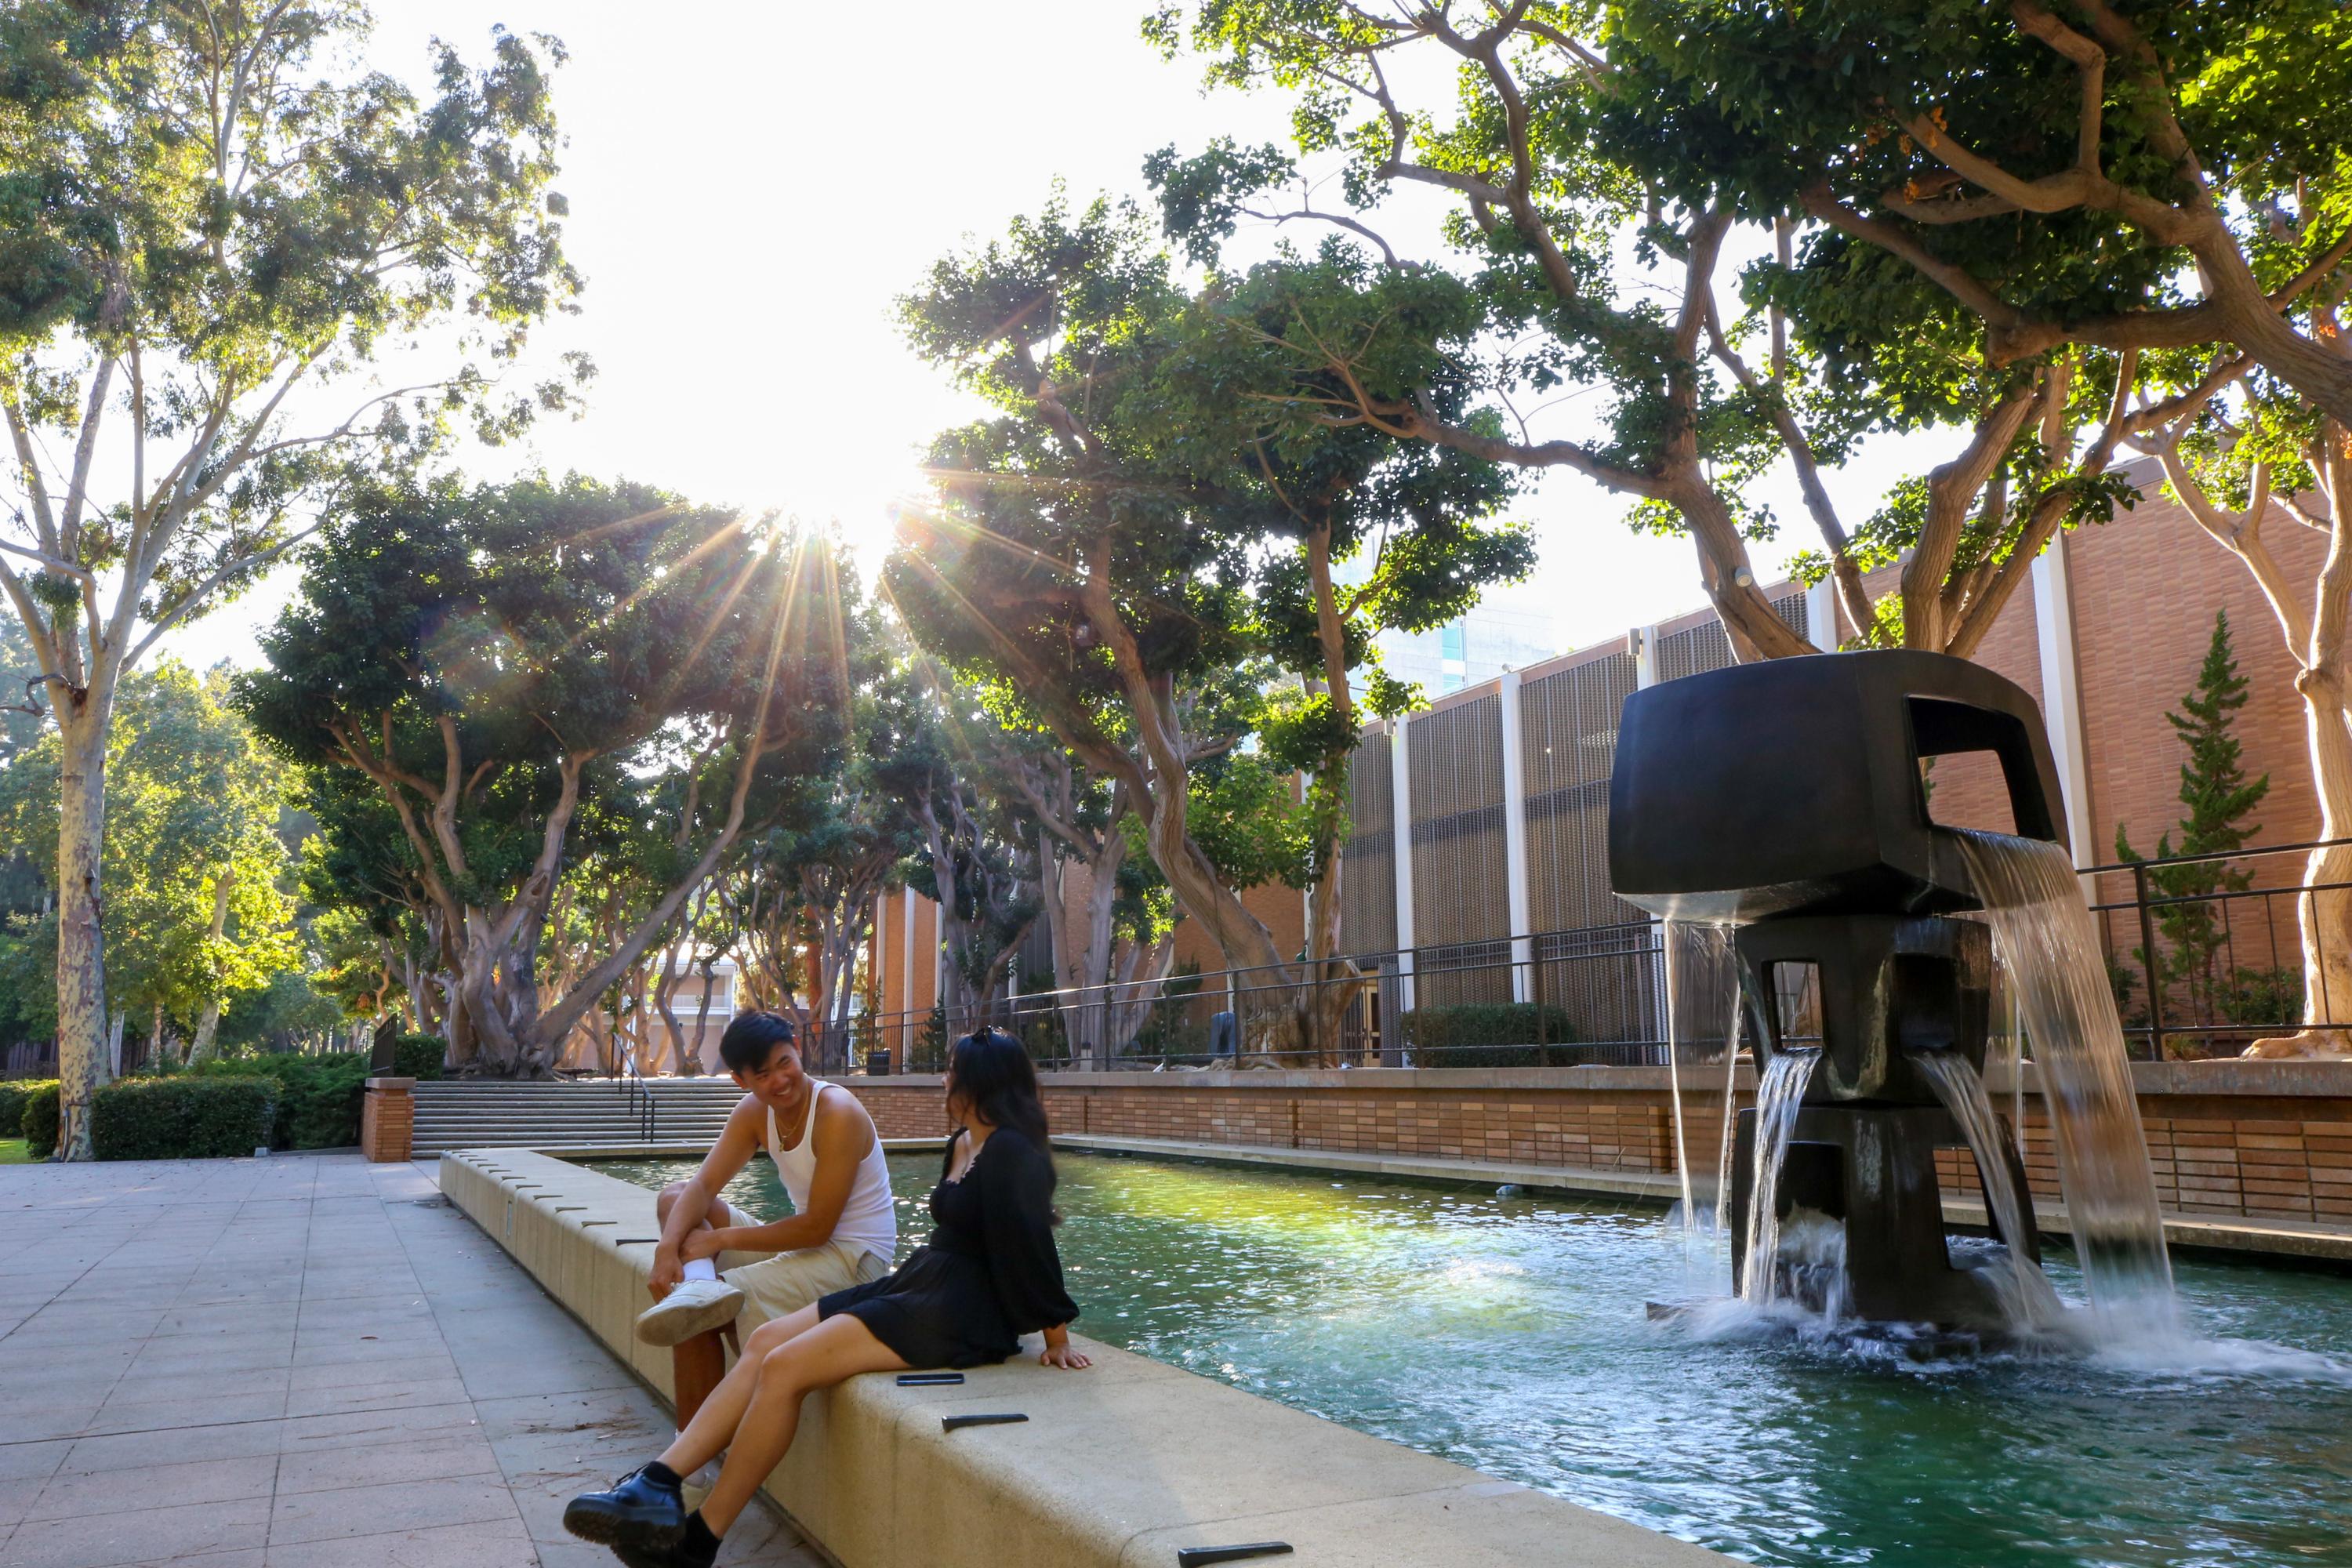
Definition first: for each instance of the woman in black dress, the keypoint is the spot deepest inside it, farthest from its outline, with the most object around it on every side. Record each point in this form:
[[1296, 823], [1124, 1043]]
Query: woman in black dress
[[989, 1274]]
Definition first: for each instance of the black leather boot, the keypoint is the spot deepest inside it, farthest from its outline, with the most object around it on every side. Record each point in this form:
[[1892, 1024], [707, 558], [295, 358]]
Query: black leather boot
[[635, 1511]]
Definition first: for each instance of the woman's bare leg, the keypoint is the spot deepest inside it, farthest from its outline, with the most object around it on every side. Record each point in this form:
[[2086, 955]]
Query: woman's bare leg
[[839, 1348], [703, 1438]]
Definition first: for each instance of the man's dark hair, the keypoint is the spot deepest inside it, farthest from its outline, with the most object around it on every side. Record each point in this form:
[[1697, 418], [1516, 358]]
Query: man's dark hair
[[752, 1038]]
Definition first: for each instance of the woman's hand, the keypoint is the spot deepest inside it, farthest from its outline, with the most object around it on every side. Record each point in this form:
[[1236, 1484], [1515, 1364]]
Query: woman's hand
[[702, 1243], [667, 1272], [1059, 1352]]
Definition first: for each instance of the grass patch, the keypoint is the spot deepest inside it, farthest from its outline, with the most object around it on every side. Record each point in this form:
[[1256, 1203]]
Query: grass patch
[[12, 1152]]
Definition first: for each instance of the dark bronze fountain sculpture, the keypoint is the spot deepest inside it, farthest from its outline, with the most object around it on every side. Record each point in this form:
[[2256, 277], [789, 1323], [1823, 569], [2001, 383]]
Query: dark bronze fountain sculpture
[[1787, 800]]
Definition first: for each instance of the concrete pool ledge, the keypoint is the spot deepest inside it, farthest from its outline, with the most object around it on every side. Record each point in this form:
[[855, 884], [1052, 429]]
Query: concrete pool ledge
[[1121, 1465]]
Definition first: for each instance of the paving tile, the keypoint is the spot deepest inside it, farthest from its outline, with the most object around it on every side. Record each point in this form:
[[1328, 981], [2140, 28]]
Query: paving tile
[[133, 1413], [413, 1366], [126, 1452], [80, 1494], [139, 1387], [62, 1421], [234, 1353], [35, 1462], [622, 1413], [432, 1458], [496, 1544], [142, 1535], [550, 1370], [392, 1507], [374, 1396], [17, 1500], [366, 1428]]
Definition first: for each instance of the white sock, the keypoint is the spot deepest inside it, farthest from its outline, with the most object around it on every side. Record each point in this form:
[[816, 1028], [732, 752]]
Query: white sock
[[702, 1268]]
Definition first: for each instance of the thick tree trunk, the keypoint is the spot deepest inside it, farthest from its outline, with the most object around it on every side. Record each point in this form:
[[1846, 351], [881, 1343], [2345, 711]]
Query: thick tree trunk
[[1086, 948], [666, 983], [1328, 991], [702, 1015], [208, 1024], [2325, 915], [82, 1060]]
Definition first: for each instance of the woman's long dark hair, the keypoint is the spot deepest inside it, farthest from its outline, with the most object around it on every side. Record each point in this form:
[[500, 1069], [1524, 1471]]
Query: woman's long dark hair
[[995, 1074]]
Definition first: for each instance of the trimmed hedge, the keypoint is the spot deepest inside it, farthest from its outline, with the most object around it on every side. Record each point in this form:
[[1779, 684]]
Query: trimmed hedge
[[187, 1117], [13, 1092], [420, 1056], [38, 1120], [1484, 1034], [318, 1097]]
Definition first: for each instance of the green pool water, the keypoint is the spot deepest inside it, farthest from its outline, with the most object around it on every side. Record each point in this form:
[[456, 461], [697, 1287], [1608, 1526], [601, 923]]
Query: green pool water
[[1510, 1334]]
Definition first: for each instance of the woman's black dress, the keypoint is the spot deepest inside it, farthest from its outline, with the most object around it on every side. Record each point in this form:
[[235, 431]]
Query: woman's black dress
[[989, 1274]]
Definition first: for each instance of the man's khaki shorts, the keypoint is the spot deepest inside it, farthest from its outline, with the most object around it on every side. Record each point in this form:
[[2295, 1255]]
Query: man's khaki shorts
[[784, 1282]]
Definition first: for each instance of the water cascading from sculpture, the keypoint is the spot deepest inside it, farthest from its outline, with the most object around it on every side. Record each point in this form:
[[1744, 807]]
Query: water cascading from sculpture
[[1788, 802]]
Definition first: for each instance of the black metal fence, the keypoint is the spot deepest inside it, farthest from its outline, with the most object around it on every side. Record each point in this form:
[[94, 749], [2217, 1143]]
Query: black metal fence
[[1561, 999], [2204, 954]]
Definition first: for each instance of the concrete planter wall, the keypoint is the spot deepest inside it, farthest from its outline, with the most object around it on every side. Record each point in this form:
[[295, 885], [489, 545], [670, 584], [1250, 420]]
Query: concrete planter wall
[[1120, 1465]]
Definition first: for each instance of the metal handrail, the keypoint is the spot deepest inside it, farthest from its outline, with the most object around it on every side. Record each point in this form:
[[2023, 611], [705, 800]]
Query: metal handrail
[[632, 1085]]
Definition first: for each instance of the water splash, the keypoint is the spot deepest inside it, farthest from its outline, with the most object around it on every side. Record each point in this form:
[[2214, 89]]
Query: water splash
[[2027, 1300], [1699, 978], [1778, 1094], [2045, 932], [1730, 1140]]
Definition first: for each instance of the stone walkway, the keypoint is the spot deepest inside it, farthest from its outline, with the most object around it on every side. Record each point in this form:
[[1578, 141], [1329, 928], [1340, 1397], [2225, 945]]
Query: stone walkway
[[295, 1361]]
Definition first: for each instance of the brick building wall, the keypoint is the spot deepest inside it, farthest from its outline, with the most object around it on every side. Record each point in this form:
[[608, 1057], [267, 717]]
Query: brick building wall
[[2145, 588]]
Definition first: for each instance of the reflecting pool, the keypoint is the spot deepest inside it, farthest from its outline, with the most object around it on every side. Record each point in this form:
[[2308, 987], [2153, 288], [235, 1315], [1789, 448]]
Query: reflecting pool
[[1510, 1334]]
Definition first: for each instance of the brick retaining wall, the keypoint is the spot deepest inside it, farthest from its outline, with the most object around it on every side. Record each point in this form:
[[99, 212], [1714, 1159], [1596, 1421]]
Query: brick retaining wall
[[2252, 1158], [2257, 1140]]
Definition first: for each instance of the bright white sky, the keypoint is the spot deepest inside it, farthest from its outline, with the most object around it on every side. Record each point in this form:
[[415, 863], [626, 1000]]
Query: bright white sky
[[752, 186]]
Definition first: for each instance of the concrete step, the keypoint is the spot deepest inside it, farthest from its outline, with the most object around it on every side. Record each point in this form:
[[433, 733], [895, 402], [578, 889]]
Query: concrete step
[[688, 1114]]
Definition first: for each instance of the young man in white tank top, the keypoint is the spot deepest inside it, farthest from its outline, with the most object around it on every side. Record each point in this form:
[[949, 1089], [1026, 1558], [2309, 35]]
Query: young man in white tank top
[[844, 1230]]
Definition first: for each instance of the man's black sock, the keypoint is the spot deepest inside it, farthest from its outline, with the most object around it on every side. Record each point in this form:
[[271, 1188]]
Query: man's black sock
[[662, 1476], [697, 1544]]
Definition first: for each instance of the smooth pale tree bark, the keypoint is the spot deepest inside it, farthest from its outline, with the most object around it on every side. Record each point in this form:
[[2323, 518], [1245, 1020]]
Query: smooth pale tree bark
[[2313, 619], [208, 1025], [665, 984], [1098, 973], [83, 1067], [1331, 979], [994, 891]]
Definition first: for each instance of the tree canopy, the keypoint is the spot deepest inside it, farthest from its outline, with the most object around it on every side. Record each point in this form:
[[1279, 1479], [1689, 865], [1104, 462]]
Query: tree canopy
[[521, 672], [1132, 529], [217, 223], [198, 911]]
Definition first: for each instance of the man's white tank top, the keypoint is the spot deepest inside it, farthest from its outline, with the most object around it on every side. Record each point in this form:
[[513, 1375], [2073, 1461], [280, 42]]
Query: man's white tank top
[[868, 1219]]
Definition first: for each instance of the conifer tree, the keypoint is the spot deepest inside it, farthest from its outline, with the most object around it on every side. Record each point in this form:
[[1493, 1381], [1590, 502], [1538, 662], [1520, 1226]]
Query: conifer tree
[[2218, 800]]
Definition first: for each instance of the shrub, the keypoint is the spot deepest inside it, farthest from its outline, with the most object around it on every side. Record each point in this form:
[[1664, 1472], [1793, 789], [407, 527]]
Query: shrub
[[929, 1052], [420, 1056], [318, 1097], [38, 1122], [13, 1092], [187, 1117], [2268, 998], [1484, 1034]]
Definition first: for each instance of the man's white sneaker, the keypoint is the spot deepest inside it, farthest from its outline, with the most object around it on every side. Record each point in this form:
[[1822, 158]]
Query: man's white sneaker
[[693, 1306]]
